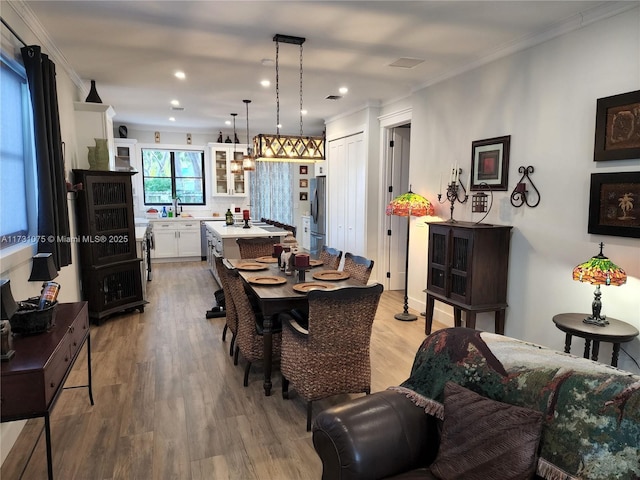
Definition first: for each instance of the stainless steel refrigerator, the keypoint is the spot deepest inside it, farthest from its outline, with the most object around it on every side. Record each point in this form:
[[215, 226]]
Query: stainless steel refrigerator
[[318, 214]]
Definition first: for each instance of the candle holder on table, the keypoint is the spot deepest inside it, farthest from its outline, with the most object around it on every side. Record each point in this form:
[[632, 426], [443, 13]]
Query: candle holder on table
[[301, 262], [453, 194]]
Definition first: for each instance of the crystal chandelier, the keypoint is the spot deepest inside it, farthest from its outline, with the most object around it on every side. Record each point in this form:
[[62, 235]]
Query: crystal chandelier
[[288, 148]]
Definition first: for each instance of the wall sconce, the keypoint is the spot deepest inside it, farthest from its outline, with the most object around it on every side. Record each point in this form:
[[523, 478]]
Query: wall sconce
[[520, 196]]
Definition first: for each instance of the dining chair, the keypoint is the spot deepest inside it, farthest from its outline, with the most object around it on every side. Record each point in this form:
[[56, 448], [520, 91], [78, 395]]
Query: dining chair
[[231, 318], [331, 356], [249, 338], [330, 257], [358, 267], [255, 247]]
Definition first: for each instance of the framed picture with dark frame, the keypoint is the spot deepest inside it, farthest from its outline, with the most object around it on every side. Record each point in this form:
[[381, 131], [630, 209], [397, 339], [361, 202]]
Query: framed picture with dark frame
[[304, 183], [614, 204], [304, 196], [490, 163], [618, 127], [304, 170]]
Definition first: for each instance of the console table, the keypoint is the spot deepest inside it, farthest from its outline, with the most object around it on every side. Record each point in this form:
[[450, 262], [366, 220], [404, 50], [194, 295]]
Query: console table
[[33, 379], [616, 332]]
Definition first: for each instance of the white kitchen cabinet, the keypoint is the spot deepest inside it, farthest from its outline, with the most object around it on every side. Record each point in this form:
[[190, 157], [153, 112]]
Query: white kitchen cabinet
[[125, 149], [176, 239], [229, 178], [305, 238], [346, 194], [93, 120]]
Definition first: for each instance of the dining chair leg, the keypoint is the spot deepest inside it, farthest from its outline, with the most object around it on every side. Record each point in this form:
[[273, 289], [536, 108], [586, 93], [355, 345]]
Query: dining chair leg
[[235, 355], [246, 374], [233, 343], [285, 388], [224, 332], [309, 414]]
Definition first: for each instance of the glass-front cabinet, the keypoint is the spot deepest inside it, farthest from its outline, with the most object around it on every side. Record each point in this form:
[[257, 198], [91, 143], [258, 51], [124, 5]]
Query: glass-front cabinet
[[229, 176]]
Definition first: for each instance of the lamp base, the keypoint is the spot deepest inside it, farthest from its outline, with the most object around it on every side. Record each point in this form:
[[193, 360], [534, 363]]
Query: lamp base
[[599, 321], [405, 317]]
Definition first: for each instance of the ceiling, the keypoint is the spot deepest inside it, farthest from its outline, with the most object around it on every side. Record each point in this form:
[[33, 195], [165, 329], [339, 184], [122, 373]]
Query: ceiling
[[132, 49]]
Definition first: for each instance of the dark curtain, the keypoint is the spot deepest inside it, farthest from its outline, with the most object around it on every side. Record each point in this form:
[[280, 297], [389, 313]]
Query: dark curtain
[[53, 215]]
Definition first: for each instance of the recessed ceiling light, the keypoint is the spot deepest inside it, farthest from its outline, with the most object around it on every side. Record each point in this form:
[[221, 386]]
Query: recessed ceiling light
[[303, 112], [181, 75], [227, 122], [265, 83], [267, 62], [343, 90], [279, 125], [172, 119], [175, 103]]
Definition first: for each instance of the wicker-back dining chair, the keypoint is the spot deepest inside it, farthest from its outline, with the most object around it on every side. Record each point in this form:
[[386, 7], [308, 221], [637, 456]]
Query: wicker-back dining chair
[[358, 267], [330, 257], [255, 247], [231, 318], [249, 338], [331, 357]]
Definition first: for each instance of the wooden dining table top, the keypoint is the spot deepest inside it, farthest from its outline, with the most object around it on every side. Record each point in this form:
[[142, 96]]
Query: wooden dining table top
[[285, 291]]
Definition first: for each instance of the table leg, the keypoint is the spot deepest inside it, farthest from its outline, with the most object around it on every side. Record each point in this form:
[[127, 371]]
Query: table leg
[[429, 314], [89, 367], [595, 350], [47, 435], [614, 356], [587, 347], [267, 343], [567, 343]]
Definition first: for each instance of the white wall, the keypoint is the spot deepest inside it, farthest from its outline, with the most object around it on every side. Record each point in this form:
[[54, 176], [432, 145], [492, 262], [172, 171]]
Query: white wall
[[545, 98]]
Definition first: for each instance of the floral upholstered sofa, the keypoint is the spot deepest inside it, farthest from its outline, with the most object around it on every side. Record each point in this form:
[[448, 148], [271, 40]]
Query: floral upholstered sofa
[[484, 406]]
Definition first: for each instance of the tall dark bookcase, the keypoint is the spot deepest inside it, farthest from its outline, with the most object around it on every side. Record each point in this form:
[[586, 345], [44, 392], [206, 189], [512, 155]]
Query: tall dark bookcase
[[110, 269]]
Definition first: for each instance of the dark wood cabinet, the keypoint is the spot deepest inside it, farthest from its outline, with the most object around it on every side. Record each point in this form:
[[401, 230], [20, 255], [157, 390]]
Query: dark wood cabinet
[[110, 269], [467, 268]]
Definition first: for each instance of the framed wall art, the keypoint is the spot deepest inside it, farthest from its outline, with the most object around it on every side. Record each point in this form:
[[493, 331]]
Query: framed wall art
[[304, 183], [304, 196], [490, 163], [614, 204], [304, 169], [618, 127]]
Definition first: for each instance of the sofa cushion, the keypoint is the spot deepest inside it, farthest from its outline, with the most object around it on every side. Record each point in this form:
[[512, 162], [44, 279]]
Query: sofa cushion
[[486, 440]]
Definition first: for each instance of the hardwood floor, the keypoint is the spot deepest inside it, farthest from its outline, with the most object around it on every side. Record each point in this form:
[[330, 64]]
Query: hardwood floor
[[169, 403]]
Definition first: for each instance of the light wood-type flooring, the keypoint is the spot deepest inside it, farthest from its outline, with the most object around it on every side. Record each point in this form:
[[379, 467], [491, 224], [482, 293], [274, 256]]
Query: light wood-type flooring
[[169, 403]]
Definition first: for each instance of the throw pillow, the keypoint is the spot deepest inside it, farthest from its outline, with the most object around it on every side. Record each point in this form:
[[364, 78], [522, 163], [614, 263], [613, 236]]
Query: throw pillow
[[483, 439]]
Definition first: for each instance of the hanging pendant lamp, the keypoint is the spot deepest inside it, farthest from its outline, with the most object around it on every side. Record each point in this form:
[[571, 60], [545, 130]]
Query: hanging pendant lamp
[[248, 162], [236, 166], [288, 148]]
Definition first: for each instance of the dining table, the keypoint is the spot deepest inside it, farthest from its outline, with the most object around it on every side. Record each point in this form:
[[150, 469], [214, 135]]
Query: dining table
[[277, 292]]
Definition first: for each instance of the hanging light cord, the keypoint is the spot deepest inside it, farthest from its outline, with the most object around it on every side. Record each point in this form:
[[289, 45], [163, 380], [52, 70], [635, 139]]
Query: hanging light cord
[[277, 89], [300, 89], [247, 102]]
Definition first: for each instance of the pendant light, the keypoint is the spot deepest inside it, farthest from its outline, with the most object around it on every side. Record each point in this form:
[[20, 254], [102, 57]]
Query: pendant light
[[248, 163], [288, 148], [236, 166]]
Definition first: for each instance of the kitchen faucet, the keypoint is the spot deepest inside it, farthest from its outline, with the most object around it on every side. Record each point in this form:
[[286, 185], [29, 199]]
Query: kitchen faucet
[[176, 204]]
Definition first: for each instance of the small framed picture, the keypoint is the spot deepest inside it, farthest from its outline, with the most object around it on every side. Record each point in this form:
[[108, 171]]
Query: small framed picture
[[618, 127], [303, 170], [304, 183], [613, 204], [304, 196], [490, 163]]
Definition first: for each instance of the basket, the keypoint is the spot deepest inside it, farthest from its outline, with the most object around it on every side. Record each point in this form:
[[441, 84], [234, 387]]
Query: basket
[[28, 320]]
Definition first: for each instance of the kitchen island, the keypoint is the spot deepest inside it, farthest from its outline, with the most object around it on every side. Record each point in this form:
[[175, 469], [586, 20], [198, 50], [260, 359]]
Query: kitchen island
[[223, 237]]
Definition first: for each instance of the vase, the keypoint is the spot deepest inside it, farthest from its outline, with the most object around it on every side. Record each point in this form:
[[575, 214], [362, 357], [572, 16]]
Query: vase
[[93, 96], [102, 154], [91, 155]]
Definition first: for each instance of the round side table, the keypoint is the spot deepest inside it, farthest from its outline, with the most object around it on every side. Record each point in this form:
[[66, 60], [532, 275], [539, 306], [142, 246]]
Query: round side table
[[616, 332]]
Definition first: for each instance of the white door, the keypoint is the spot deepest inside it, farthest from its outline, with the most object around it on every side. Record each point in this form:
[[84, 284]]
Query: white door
[[399, 176]]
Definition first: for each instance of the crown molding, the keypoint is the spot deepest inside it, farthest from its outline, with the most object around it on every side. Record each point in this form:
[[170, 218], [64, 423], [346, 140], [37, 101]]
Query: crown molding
[[31, 21]]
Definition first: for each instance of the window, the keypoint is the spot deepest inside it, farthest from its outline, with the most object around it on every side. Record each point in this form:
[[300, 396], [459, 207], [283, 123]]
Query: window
[[168, 174], [18, 195]]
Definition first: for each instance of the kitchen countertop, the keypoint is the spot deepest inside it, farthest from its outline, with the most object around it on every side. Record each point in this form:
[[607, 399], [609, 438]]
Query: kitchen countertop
[[187, 219], [221, 230]]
